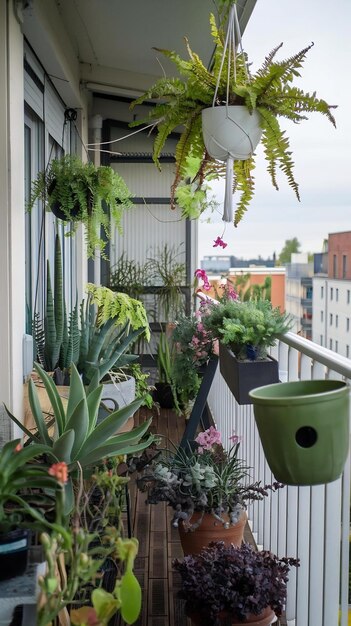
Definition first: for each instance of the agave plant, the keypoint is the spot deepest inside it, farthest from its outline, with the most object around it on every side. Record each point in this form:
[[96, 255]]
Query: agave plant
[[74, 436], [103, 346], [270, 92]]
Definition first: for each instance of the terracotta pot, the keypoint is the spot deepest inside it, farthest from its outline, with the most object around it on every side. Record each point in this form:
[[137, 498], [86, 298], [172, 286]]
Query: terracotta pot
[[209, 530], [263, 619]]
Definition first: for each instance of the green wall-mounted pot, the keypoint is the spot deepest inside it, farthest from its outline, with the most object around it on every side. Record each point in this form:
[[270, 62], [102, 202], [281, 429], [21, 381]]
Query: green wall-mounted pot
[[304, 429]]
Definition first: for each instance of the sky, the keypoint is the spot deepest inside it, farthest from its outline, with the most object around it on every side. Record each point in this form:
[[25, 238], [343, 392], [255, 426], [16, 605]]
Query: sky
[[321, 154]]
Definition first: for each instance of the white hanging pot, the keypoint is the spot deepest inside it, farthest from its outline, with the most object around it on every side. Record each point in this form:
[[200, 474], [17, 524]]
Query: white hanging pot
[[231, 131]]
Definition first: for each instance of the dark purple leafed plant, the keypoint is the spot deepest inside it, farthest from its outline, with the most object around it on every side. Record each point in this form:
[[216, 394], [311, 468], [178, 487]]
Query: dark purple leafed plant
[[233, 581]]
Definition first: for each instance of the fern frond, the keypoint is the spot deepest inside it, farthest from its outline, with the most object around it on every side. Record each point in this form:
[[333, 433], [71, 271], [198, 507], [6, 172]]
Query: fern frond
[[244, 183], [276, 148]]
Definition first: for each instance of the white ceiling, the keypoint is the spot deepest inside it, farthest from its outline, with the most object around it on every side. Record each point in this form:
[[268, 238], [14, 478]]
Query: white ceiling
[[119, 35]]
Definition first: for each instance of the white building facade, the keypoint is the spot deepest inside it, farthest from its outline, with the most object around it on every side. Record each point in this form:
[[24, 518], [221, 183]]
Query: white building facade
[[332, 314]]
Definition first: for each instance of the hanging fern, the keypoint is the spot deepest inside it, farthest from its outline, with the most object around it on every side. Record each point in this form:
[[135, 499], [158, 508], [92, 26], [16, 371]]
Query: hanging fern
[[270, 91], [82, 192]]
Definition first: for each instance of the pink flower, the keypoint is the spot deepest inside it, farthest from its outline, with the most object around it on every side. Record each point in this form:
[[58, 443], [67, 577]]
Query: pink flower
[[208, 438], [203, 276], [219, 242], [235, 438]]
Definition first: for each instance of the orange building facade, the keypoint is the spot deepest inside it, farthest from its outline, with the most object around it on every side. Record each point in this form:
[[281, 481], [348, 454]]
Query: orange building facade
[[257, 276]]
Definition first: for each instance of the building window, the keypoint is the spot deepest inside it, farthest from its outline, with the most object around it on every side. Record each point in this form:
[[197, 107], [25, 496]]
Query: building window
[[330, 344], [330, 319], [321, 340], [337, 295], [347, 352], [331, 292], [347, 323], [348, 296], [334, 266], [336, 346], [309, 293], [336, 321], [322, 316], [322, 292], [344, 265]]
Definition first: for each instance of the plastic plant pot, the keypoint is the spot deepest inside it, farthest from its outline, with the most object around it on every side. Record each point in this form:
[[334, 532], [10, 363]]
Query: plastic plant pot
[[304, 429]]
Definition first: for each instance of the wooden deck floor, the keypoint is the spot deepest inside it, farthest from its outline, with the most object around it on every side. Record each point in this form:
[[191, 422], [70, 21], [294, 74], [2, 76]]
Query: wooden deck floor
[[158, 545]]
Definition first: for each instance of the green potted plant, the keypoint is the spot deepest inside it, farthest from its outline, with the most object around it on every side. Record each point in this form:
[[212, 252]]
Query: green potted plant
[[206, 486], [73, 435], [168, 274], [237, 585], [193, 346], [79, 193], [165, 392], [262, 98], [25, 488], [245, 331]]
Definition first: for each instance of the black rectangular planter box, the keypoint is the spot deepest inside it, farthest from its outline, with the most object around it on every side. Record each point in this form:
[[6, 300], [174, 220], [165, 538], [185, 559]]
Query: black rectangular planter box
[[242, 376]]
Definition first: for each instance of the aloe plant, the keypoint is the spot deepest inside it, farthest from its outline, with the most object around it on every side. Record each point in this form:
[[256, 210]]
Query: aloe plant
[[76, 437]]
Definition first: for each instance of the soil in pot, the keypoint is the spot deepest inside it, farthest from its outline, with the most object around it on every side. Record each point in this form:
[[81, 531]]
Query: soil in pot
[[209, 530]]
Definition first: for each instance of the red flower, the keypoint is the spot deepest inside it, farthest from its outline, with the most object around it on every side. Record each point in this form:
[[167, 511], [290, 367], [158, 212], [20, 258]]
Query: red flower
[[59, 471], [18, 448]]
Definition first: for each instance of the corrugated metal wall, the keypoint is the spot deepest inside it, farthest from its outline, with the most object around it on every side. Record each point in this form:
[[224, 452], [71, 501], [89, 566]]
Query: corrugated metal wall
[[148, 227]]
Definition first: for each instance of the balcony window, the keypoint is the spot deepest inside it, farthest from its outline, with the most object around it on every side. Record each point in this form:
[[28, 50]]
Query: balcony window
[[344, 265], [331, 292], [347, 352], [336, 321], [336, 346], [335, 262], [337, 295], [347, 324], [322, 316], [348, 296], [330, 344], [321, 340], [322, 292], [330, 319]]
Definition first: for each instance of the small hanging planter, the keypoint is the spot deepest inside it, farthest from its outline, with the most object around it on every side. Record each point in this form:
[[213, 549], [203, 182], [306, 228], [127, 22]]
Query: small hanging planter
[[304, 429], [243, 376]]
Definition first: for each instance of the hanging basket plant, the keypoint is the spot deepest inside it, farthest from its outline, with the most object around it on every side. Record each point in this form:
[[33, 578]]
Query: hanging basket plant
[[225, 91], [304, 429], [81, 193]]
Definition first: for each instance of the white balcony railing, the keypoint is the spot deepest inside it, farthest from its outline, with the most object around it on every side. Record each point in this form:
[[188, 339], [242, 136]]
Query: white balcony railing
[[311, 523]]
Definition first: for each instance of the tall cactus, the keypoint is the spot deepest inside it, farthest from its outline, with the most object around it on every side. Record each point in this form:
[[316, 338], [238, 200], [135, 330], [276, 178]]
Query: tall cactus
[[49, 339]]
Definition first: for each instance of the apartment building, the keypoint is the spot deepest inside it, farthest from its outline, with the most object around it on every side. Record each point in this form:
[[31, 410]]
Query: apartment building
[[332, 296], [298, 293]]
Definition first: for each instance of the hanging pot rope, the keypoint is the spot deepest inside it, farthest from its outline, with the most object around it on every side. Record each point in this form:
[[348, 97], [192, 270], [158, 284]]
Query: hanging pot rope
[[232, 39]]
